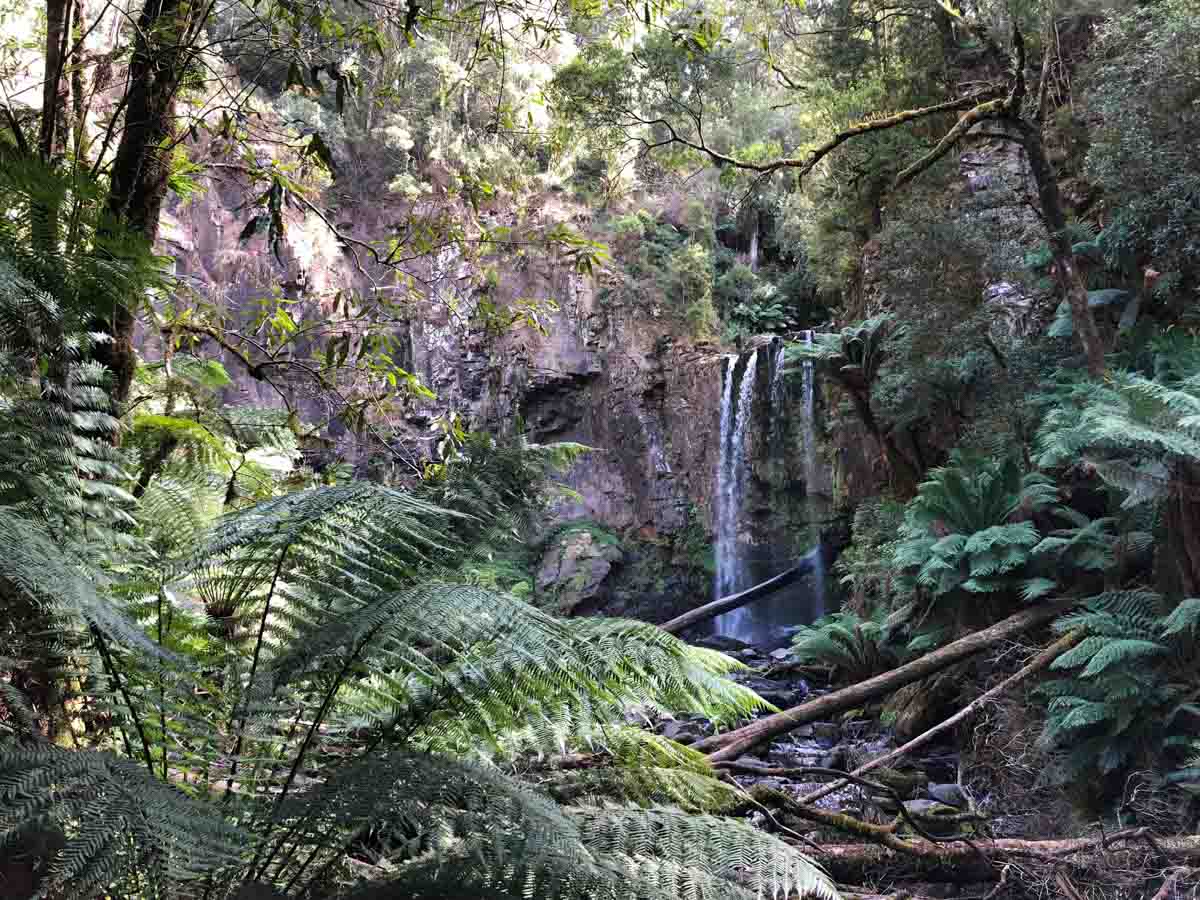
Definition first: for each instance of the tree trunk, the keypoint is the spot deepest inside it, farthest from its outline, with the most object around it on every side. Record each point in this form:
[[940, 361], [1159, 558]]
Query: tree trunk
[[1182, 527], [141, 165], [735, 743], [1069, 277], [53, 127], [740, 599], [961, 862], [55, 103]]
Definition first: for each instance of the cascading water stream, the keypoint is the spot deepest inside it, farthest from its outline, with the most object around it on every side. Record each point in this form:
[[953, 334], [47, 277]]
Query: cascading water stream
[[765, 620], [810, 461], [731, 481]]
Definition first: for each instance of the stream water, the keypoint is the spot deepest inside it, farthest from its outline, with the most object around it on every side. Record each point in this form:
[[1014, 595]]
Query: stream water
[[741, 563]]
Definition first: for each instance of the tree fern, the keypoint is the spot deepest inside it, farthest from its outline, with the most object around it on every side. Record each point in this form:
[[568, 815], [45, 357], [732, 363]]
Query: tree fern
[[1121, 701], [854, 647], [1130, 432], [115, 819], [352, 648], [968, 542]]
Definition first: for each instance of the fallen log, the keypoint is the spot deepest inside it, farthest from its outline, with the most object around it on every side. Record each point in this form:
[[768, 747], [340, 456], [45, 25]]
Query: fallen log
[[1039, 662], [734, 743], [983, 860], [735, 601], [834, 538]]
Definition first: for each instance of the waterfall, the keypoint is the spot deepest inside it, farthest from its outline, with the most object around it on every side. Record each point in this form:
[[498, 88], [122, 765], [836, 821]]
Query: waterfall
[[731, 483], [808, 384], [778, 402], [739, 565]]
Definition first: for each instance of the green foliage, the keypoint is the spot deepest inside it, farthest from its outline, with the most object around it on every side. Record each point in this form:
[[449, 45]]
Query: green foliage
[[600, 534], [864, 568], [855, 648], [1132, 432], [1143, 89], [853, 355], [1129, 688], [688, 283], [969, 541]]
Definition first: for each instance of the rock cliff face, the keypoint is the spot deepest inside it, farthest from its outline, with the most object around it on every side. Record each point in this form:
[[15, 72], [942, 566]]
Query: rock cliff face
[[989, 230], [623, 380]]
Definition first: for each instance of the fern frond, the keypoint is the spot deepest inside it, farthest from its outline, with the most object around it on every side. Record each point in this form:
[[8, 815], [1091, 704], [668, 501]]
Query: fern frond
[[118, 821], [719, 848]]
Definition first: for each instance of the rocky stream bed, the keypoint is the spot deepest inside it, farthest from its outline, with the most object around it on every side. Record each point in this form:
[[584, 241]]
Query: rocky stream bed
[[925, 791]]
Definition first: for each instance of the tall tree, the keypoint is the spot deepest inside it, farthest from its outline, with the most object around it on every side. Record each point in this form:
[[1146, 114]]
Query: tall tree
[[1003, 101]]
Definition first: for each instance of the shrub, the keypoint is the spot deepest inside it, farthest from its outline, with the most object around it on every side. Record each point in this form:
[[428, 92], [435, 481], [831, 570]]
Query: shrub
[[854, 647]]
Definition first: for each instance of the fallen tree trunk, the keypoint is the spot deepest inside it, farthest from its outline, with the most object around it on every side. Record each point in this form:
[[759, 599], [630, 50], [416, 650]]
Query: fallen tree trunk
[[1039, 662], [713, 609], [983, 860], [734, 743], [835, 536]]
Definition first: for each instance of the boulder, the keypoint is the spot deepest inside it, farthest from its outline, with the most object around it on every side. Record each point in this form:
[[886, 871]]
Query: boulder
[[686, 731], [575, 568], [949, 794], [780, 693]]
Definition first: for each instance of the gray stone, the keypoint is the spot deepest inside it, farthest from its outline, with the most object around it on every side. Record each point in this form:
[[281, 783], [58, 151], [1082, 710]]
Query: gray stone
[[780, 655], [574, 568], [791, 760], [949, 794], [829, 731], [834, 759], [780, 697], [1107, 297], [723, 643], [686, 731], [977, 182]]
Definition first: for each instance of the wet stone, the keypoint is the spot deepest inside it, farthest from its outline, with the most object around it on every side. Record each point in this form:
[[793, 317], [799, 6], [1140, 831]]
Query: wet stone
[[949, 794], [685, 731], [723, 643]]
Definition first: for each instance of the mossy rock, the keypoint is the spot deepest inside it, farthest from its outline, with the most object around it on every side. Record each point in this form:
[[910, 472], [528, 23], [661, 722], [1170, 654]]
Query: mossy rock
[[575, 569]]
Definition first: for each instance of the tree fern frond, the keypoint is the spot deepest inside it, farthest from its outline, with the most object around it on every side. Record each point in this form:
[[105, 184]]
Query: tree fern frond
[[116, 819], [720, 848], [1185, 617], [645, 786]]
